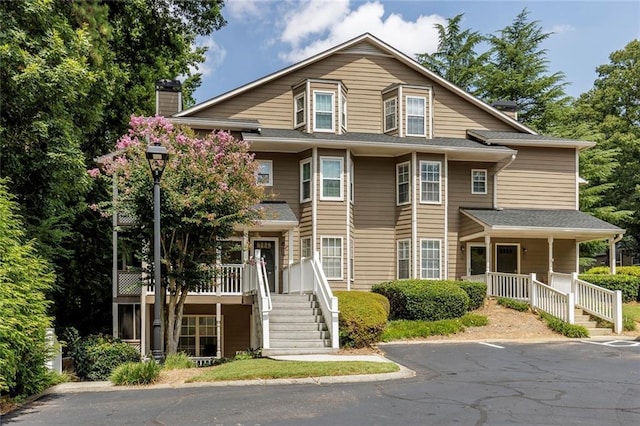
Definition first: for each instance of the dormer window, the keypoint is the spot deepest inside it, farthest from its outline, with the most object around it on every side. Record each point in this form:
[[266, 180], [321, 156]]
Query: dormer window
[[323, 111], [390, 114], [343, 112], [416, 116], [299, 110]]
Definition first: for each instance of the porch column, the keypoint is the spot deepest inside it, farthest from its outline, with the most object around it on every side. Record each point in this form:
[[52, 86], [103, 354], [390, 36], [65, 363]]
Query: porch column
[[289, 260], [245, 246], [218, 330], [550, 267], [487, 244], [612, 255]]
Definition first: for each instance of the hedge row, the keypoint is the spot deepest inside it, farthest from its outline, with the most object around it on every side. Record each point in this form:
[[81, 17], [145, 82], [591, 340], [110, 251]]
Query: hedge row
[[426, 299], [620, 270], [363, 317], [628, 284]]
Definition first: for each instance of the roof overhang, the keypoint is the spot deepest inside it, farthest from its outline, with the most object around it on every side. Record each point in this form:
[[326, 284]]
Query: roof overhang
[[535, 141], [565, 230], [276, 216], [216, 124]]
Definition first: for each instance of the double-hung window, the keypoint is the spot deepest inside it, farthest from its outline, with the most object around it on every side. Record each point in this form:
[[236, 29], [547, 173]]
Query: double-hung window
[[478, 181], [331, 178], [430, 182], [402, 180], [323, 111], [265, 173], [390, 114], [299, 110], [305, 247], [404, 256], [305, 180], [332, 257], [430, 259], [198, 336], [416, 116]]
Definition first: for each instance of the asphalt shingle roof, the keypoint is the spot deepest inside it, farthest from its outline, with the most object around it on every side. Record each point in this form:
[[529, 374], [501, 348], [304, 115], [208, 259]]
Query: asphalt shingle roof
[[531, 218], [497, 136], [277, 211]]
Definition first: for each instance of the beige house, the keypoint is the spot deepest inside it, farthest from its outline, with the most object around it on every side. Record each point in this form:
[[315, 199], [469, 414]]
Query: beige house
[[385, 171]]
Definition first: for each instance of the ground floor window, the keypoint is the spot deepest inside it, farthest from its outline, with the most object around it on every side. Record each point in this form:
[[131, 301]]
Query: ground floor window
[[198, 335], [332, 257], [404, 256], [129, 321], [430, 259]]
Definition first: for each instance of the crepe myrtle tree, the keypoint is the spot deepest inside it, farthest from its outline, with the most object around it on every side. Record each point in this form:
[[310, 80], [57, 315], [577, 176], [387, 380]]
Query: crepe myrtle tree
[[207, 188]]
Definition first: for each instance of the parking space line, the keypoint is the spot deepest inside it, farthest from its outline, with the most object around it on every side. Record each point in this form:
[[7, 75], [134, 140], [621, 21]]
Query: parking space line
[[491, 344], [615, 343]]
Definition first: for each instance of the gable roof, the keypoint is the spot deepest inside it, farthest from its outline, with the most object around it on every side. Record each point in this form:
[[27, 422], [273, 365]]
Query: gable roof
[[351, 47]]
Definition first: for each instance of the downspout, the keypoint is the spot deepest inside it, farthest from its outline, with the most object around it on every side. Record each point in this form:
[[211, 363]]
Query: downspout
[[348, 215], [400, 111], [495, 180], [314, 200], [414, 215], [446, 219]]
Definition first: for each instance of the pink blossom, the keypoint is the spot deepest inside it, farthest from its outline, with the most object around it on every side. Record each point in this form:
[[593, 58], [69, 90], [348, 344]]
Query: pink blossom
[[94, 172]]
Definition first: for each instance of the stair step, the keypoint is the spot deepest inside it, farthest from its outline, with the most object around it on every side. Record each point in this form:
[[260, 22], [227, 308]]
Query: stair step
[[599, 331], [296, 312], [297, 351], [298, 335], [299, 343], [292, 297], [284, 318], [297, 326], [304, 304]]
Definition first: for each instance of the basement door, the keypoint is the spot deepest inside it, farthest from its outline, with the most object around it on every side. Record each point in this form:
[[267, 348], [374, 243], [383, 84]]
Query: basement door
[[507, 259], [268, 252]]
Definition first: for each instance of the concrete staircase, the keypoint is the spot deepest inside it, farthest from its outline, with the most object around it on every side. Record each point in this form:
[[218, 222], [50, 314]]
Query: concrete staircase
[[296, 326], [585, 320]]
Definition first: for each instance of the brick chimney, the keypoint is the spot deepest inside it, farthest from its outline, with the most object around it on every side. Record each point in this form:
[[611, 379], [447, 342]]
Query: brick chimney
[[168, 97], [509, 108]]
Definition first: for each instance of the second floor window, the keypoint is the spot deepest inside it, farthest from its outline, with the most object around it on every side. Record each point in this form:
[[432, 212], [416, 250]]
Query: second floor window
[[305, 180], [416, 116], [478, 181], [390, 114], [323, 111], [331, 178], [402, 178], [265, 173], [299, 113], [430, 181]]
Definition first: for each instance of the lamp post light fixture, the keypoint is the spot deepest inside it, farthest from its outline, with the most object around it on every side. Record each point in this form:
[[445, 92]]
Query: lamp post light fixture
[[157, 156]]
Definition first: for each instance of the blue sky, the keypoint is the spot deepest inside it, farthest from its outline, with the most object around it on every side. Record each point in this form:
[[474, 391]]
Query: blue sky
[[263, 36]]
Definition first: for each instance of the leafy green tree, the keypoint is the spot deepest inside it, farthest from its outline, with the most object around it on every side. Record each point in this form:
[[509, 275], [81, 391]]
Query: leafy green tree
[[208, 187], [24, 278], [517, 71], [456, 59]]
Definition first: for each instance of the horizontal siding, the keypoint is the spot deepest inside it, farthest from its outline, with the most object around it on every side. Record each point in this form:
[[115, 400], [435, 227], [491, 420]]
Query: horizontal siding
[[539, 178], [374, 221], [237, 329], [286, 172], [468, 226]]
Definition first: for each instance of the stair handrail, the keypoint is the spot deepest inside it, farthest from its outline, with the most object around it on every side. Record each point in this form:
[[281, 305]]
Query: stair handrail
[[328, 302], [552, 301], [598, 301]]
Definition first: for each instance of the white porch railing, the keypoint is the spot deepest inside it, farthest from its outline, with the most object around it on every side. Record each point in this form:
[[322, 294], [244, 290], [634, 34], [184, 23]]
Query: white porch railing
[[255, 282], [555, 302], [599, 302], [223, 280], [307, 276], [512, 286]]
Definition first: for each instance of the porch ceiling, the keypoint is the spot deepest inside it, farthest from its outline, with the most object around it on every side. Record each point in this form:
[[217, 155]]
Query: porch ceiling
[[533, 223]]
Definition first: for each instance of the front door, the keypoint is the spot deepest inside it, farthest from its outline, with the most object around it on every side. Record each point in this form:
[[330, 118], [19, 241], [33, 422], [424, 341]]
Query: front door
[[507, 258], [477, 260], [268, 253]]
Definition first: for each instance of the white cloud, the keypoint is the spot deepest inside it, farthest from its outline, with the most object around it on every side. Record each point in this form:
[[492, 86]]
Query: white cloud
[[242, 8], [562, 28], [332, 24], [213, 58]]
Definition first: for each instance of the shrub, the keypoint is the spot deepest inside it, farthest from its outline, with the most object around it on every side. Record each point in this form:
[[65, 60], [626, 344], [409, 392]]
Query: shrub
[[363, 317], [628, 323], [136, 373], [564, 328], [424, 299], [96, 356], [628, 284], [178, 361], [477, 292], [620, 270], [598, 270], [474, 320], [516, 305]]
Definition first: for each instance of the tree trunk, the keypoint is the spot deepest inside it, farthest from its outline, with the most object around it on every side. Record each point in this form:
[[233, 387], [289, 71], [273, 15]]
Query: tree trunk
[[175, 310]]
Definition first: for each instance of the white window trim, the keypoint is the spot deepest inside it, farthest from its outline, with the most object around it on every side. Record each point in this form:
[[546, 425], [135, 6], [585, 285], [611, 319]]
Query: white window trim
[[408, 164], [398, 242], [270, 182], [473, 191], [341, 196], [395, 113], [296, 110], [351, 181], [343, 112], [422, 240], [424, 116], [439, 201], [333, 111], [322, 238], [197, 335], [302, 163], [302, 256]]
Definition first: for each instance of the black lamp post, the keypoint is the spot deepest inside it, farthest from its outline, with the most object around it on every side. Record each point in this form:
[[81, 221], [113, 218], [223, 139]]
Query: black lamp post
[[157, 156]]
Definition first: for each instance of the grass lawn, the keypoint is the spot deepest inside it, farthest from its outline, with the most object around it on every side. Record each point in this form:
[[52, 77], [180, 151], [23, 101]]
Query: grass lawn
[[264, 368], [411, 329], [631, 310]]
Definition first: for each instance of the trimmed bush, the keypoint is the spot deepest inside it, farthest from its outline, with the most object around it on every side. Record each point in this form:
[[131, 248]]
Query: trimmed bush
[[628, 284], [363, 317], [96, 356], [620, 270], [178, 361], [427, 300], [598, 270], [564, 328], [136, 373], [516, 305], [477, 292]]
